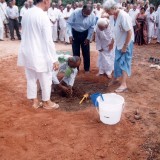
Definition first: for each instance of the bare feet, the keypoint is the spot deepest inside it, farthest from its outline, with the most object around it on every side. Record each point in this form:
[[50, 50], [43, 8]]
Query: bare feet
[[50, 105]]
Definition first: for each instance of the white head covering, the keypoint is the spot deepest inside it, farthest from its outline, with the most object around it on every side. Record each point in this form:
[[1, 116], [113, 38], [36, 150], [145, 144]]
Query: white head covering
[[102, 22], [109, 4]]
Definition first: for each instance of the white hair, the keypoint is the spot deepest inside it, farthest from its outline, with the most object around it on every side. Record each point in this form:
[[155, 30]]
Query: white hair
[[108, 4], [102, 22]]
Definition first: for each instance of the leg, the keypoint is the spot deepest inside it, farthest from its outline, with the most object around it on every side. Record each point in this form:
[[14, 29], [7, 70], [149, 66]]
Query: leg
[[32, 86], [66, 36], [16, 27], [61, 34], [1, 32], [158, 36], [124, 80], [86, 56], [45, 80], [11, 28], [76, 48], [6, 30], [54, 33]]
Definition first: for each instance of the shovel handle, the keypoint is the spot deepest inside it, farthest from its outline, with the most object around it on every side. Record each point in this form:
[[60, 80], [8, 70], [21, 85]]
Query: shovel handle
[[82, 100]]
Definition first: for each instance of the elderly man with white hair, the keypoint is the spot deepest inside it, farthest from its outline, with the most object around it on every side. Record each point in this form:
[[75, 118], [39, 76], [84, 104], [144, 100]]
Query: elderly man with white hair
[[124, 37], [104, 44]]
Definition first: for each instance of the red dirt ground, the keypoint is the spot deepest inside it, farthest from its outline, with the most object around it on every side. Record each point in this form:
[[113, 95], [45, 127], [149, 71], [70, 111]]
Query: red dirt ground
[[74, 132]]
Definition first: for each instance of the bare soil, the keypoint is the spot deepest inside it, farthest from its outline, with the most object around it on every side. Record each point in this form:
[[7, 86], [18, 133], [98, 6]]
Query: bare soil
[[74, 132]]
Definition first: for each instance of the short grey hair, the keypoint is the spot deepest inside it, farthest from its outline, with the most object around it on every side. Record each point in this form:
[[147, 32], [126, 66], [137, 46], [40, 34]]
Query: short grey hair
[[109, 4], [102, 22]]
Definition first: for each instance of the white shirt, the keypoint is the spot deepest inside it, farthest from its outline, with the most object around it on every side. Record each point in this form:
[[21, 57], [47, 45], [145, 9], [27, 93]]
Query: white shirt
[[54, 15], [67, 14], [151, 18], [98, 13], [122, 25], [4, 7], [23, 11], [12, 12], [133, 14], [158, 17], [37, 50]]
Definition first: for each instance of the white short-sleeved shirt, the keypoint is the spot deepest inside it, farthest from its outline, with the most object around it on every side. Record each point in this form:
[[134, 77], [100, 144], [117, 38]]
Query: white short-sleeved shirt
[[133, 14], [23, 11], [123, 24]]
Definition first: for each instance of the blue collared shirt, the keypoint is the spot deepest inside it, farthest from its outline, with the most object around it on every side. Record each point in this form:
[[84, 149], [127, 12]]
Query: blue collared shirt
[[80, 23]]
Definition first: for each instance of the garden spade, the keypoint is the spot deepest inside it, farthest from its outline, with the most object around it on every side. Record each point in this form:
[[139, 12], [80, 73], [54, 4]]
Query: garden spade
[[85, 96]]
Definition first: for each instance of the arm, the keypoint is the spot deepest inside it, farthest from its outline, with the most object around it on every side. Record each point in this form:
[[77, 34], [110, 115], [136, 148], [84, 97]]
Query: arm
[[91, 28], [111, 45], [127, 26], [98, 43], [49, 46], [70, 22], [70, 80]]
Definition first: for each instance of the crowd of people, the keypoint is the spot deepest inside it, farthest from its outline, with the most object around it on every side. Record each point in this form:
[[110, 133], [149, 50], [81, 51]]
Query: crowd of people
[[145, 19], [114, 27]]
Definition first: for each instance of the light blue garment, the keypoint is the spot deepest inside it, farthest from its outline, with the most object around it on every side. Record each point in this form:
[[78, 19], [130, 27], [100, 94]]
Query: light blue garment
[[80, 23], [123, 61]]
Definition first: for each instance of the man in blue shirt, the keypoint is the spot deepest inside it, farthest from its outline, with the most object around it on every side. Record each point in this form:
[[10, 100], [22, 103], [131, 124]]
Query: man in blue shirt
[[80, 27]]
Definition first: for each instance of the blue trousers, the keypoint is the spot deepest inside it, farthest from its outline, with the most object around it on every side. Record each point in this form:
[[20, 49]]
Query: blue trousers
[[123, 61]]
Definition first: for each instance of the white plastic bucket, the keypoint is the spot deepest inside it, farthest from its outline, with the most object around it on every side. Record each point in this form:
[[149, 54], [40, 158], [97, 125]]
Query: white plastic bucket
[[110, 108]]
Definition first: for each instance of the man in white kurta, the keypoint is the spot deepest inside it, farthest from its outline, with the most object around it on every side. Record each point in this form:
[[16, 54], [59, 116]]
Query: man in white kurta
[[2, 18], [37, 53], [158, 24], [98, 11], [133, 14], [3, 7], [104, 38], [24, 9], [151, 19], [53, 14], [62, 24], [66, 15]]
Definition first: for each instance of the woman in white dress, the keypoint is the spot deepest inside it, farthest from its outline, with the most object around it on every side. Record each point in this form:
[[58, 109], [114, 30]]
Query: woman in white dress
[[104, 44]]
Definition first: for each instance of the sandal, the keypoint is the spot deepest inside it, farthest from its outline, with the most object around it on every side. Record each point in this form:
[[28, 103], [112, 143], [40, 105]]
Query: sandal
[[121, 90], [38, 105], [54, 106]]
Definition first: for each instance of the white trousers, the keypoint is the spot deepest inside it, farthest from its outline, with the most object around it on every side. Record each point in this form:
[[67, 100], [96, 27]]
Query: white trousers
[[158, 35], [62, 34], [45, 80], [1, 32], [54, 33], [66, 36]]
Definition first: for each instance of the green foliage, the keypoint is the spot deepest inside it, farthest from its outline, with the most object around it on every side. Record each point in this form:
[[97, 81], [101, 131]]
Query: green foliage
[[155, 2]]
